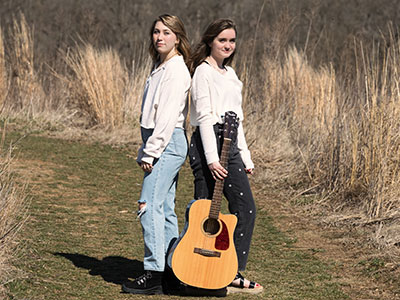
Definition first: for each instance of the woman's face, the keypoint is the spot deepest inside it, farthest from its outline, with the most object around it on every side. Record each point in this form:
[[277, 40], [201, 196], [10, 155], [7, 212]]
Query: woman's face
[[164, 39], [224, 44]]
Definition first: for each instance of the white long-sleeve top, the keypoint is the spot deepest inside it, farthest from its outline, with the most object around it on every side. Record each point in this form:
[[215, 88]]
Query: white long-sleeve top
[[164, 106], [213, 94]]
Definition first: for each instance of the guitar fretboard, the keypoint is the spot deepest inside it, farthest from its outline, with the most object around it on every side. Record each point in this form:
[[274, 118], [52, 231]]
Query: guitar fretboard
[[219, 184]]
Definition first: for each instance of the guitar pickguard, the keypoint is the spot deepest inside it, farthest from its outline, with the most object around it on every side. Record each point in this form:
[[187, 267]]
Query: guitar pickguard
[[222, 240]]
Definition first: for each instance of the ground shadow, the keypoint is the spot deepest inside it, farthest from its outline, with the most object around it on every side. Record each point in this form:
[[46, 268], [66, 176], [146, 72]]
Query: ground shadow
[[115, 269]]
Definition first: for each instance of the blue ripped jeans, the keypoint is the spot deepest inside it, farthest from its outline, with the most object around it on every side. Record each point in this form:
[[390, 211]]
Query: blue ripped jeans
[[159, 222]]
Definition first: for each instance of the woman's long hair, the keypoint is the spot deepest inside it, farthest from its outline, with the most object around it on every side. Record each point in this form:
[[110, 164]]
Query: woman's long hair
[[203, 49], [177, 27]]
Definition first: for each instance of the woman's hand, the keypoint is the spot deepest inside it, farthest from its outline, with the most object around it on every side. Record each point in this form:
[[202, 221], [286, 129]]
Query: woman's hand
[[146, 167], [217, 170], [250, 171]]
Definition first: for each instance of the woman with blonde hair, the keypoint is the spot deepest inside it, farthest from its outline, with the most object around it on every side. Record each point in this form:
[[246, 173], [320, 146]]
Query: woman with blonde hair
[[164, 148], [216, 89]]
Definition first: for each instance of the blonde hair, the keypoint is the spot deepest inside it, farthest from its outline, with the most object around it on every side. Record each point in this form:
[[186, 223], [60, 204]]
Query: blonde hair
[[177, 27], [203, 48]]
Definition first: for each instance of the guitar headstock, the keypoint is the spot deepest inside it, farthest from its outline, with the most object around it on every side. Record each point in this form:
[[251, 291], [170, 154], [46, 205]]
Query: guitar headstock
[[231, 124]]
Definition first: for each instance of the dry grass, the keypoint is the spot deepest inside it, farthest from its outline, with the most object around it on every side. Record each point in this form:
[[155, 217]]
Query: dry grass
[[322, 107], [102, 86], [13, 213], [295, 117], [375, 128], [4, 84], [357, 157], [26, 95], [327, 130], [337, 138], [134, 90]]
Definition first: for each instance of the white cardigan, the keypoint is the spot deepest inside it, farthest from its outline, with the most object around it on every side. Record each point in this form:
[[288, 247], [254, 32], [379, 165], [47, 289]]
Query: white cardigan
[[164, 106], [213, 94]]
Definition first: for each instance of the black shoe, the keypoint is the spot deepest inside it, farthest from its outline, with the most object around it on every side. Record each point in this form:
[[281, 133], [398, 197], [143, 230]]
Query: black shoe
[[147, 284], [171, 285]]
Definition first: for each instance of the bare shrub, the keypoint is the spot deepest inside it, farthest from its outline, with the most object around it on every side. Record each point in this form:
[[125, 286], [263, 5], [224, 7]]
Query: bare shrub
[[135, 86], [21, 86], [13, 213], [99, 85], [26, 91]]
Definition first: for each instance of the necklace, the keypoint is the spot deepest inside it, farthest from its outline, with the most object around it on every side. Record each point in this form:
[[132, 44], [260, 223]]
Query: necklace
[[221, 70]]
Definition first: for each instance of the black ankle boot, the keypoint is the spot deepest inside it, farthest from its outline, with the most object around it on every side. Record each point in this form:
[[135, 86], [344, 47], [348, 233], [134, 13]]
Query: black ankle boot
[[147, 284]]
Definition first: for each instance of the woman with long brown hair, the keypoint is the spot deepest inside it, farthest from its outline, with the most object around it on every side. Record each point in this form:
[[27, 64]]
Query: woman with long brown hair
[[216, 89], [164, 148]]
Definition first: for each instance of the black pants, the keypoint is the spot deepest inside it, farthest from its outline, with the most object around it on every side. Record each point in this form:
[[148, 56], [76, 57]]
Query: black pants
[[236, 189]]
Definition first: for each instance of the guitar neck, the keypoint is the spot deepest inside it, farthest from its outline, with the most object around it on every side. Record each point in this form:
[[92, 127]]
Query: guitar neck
[[219, 184]]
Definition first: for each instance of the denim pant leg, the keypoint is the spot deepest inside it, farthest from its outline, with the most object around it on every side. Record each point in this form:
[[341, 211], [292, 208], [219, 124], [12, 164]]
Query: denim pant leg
[[171, 220], [241, 203], [203, 180], [158, 191]]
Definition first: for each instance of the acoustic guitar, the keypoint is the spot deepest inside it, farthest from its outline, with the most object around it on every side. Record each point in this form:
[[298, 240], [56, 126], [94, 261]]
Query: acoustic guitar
[[204, 256]]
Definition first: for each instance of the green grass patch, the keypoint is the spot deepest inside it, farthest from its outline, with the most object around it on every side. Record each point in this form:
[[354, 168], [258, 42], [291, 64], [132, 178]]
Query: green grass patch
[[372, 267], [82, 239]]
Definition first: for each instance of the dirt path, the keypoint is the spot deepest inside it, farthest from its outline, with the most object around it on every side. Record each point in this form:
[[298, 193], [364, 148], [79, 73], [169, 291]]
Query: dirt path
[[82, 239], [365, 273]]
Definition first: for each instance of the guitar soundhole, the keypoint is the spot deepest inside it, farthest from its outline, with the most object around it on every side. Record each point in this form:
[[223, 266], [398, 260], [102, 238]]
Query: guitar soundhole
[[211, 226]]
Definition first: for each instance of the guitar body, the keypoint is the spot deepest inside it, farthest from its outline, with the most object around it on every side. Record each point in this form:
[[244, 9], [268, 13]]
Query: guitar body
[[204, 257]]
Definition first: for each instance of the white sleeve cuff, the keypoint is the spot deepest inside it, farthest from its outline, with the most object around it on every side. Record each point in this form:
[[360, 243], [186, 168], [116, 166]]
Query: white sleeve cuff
[[246, 158], [147, 159], [243, 149]]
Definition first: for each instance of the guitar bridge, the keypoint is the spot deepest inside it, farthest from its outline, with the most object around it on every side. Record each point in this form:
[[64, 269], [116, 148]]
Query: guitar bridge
[[208, 253]]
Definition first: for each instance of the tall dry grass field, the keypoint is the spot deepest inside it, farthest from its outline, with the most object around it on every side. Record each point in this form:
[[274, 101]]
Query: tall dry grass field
[[13, 213], [339, 138], [375, 123], [295, 117], [321, 116]]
